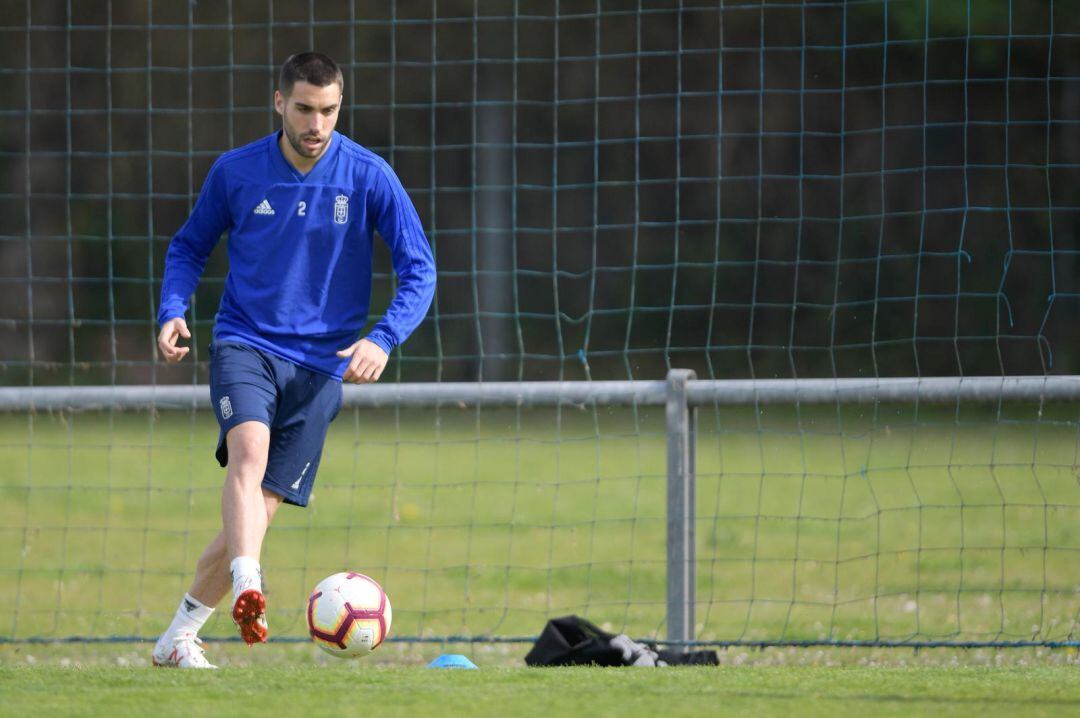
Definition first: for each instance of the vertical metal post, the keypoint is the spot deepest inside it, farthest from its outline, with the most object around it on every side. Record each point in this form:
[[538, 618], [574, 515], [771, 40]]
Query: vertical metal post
[[681, 435]]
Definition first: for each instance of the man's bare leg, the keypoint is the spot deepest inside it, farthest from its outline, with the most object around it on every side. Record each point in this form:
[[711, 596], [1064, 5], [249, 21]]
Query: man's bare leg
[[210, 585], [243, 509], [212, 581], [243, 519]]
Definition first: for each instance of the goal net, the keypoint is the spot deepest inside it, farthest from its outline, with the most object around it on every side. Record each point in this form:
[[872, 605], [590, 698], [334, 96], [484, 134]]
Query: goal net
[[751, 190]]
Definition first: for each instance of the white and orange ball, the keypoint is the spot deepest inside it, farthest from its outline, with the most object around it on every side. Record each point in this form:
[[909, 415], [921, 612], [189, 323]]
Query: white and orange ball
[[348, 615]]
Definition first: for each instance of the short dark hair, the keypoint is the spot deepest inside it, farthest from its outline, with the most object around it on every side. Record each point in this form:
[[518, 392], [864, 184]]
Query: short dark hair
[[312, 67]]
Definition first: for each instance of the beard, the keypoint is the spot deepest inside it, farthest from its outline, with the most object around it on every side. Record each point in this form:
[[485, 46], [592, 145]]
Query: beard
[[298, 145]]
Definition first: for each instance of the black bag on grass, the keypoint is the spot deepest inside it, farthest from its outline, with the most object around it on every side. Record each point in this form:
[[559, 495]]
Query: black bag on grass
[[573, 641]]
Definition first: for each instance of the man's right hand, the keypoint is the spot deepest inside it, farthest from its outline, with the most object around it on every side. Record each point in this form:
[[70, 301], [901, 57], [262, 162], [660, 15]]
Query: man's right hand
[[166, 341]]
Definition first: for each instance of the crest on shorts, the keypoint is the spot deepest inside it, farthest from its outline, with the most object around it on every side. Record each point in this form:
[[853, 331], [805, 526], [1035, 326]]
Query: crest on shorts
[[226, 407], [341, 209]]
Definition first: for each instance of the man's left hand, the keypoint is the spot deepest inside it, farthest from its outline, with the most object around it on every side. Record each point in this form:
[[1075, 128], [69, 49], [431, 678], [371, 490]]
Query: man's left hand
[[367, 364]]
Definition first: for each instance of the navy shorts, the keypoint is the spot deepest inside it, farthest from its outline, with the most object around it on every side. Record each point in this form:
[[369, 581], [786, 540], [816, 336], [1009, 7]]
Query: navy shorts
[[248, 384]]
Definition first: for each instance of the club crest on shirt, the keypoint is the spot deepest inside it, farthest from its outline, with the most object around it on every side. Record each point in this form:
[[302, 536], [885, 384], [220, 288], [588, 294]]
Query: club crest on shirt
[[341, 209]]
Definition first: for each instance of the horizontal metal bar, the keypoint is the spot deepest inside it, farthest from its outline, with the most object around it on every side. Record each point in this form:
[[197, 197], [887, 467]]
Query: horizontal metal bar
[[908, 390], [509, 393], [529, 393], [97, 398], [480, 638], [934, 390], [720, 643], [877, 643]]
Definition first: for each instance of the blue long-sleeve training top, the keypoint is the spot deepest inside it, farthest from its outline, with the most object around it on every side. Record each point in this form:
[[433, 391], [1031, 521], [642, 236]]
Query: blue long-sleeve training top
[[300, 249]]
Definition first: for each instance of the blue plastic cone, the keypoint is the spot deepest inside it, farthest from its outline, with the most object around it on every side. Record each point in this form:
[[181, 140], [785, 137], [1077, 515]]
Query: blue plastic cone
[[452, 660]]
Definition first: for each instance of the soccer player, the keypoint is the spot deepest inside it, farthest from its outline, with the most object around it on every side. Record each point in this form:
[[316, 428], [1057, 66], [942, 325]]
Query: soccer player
[[300, 208]]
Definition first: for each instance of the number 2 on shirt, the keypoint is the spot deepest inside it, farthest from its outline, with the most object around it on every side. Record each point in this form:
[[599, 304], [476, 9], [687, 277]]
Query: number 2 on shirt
[[301, 209]]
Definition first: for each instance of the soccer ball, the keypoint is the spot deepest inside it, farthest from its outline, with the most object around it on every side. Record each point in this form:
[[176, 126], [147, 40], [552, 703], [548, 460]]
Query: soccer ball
[[348, 615]]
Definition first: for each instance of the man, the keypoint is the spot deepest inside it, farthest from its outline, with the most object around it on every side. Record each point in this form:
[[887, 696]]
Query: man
[[300, 207]]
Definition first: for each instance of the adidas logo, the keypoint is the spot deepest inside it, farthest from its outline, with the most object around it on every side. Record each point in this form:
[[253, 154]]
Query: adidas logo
[[189, 605], [264, 208]]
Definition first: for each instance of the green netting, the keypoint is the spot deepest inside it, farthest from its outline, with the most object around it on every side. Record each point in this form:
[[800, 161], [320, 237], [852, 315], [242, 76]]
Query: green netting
[[611, 189]]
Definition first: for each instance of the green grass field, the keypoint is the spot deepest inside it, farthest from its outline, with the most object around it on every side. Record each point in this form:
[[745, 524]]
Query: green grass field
[[393, 691], [869, 523]]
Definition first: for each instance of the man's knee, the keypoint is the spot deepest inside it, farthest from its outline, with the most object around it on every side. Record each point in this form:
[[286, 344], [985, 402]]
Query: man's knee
[[249, 445]]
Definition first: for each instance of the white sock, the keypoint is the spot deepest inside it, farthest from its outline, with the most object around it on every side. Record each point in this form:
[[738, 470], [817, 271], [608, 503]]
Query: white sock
[[189, 618], [246, 575]]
